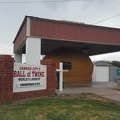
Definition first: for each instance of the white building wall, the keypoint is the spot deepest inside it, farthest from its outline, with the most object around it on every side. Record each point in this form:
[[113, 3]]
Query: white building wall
[[101, 73], [18, 57], [33, 50]]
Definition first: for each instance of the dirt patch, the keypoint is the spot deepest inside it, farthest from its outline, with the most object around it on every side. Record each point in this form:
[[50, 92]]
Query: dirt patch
[[118, 89]]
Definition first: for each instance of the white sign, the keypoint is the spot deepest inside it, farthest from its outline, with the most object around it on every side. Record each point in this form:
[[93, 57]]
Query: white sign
[[29, 77]]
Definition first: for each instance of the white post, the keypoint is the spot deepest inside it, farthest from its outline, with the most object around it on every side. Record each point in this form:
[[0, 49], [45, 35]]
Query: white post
[[28, 27], [61, 77], [18, 58], [94, 73], [33, 50], [60, 70]]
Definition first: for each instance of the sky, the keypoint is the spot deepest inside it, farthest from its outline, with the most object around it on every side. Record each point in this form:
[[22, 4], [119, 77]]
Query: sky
[[95, 12]]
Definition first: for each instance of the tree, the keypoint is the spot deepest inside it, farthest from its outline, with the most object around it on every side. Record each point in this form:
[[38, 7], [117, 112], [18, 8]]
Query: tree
[[115, 63]]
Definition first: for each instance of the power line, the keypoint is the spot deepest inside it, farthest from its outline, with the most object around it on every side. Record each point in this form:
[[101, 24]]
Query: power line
[[112, 7], [39, 1], [107, 11], [98, 11], [84, 13], [107, 19]]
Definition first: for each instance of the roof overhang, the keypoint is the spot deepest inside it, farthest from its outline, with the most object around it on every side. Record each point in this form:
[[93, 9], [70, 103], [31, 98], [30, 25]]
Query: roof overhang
[[55, 34]]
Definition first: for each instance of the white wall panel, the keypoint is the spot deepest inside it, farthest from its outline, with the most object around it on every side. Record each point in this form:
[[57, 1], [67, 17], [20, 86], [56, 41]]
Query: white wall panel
[[101, 73]]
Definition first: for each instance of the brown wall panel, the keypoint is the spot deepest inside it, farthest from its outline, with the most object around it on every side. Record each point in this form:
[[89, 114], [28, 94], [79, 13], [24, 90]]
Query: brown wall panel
[[82, 67], [80, 32], [61, 30], [20, 37]]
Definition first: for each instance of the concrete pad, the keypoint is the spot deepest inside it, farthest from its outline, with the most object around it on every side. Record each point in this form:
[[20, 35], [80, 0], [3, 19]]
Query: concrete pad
[[103, 92], [113, 97]]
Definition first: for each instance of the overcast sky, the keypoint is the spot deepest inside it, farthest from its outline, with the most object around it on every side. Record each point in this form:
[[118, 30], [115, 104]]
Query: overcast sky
[[86, 11]]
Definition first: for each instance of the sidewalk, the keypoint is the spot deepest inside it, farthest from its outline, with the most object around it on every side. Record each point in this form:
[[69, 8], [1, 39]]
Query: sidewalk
[[106, 90]]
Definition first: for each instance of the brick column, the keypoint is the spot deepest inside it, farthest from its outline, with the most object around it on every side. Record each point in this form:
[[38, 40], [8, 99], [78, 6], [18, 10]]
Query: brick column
[[51, 76], [6, 78]]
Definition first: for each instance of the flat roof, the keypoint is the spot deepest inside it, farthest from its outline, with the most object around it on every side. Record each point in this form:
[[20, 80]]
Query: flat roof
[[60, 33]]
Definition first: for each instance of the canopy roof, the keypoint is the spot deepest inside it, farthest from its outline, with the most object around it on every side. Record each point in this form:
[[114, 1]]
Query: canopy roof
[[55, 34]]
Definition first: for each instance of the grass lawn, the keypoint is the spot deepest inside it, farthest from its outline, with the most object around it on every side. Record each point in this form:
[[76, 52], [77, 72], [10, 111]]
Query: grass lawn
[[81, 107]]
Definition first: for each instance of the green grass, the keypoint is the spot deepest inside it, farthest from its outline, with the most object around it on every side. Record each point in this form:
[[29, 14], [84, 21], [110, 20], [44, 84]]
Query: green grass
[[82, 107]]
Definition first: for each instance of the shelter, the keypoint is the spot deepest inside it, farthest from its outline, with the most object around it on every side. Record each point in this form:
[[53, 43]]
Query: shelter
[[38, 36], [105, 72]]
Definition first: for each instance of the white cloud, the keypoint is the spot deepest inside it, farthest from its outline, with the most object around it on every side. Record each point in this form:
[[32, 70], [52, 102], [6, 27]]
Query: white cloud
[[106, 57], [88, 11], [6, 49]]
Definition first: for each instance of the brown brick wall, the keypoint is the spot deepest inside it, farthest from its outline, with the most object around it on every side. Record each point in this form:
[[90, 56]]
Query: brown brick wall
[[6, 81], [51, 76], [6, 78]]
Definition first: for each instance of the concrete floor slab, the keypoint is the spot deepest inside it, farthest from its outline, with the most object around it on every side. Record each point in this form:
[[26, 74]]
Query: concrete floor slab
[[105, 89]]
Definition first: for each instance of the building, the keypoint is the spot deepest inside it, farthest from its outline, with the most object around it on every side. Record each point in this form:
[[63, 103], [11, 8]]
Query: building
[[81, 65], [105, 72], [65, 41]]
